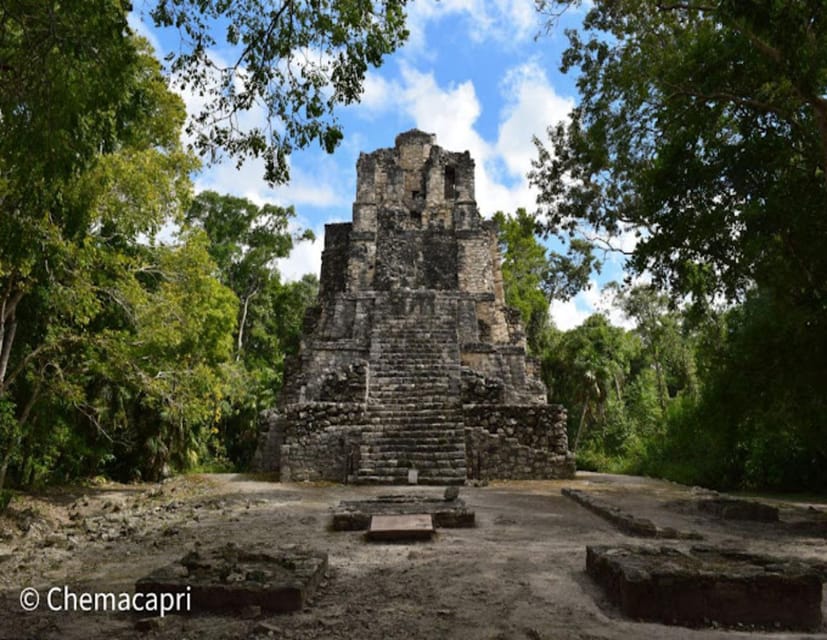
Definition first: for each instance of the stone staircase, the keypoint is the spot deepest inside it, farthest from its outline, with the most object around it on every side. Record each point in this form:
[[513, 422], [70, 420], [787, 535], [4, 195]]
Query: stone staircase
[[414, 408]]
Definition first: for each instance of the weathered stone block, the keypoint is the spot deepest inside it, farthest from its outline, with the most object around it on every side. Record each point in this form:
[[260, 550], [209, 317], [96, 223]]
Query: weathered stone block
[[400, 528], [446, 514], [707, 586], [232, 578], [738, 509]]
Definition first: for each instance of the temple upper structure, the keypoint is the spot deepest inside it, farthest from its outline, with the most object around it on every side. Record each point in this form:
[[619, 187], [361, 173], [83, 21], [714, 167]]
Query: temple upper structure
[[411, 361]]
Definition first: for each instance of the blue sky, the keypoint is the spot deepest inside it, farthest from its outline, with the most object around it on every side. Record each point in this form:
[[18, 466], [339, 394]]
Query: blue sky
[[475, 73]]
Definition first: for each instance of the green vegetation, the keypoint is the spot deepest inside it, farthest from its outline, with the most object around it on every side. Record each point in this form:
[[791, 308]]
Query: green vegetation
[[703, 128], [272, 70], [120, 354]]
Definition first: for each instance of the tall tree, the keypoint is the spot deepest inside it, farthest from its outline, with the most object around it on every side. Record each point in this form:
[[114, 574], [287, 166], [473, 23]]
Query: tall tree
[[702, 126], [91, 162], [245, 240], [533, 275]]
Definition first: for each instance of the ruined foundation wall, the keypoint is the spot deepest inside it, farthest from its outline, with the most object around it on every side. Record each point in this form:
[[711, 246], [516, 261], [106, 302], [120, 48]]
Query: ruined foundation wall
[[322, 441], [517, 442]]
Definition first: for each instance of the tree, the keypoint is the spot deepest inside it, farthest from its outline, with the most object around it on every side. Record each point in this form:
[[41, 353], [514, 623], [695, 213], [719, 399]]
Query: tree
[[294, 61], [244, 241], [588, 367], [90, 158], [669, 353], [533, 276], [698, 125], [525, 272], [702, 128]]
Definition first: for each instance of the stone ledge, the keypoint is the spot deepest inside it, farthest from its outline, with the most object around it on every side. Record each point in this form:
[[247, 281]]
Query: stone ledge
[[627, 522], [447, 514], [707, 587], [738, 509]]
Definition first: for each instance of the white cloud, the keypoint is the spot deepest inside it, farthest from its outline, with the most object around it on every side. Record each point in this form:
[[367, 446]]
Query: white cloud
[[569, 314], [572, 313], [306, 257], [451, 112], [505, 22], [532, 105], [140, 28], [321, 188]]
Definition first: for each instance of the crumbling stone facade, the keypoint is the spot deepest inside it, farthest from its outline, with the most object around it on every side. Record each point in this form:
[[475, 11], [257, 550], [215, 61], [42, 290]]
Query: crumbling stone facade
[[411, 360]]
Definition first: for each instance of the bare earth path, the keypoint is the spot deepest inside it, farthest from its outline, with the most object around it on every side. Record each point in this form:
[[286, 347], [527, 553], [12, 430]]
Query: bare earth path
[[519, 574]]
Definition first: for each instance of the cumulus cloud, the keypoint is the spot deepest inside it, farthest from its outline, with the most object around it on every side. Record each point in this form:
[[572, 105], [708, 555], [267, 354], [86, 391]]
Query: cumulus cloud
[[505, 22], [572, 313], [532, 105], [306, 257]]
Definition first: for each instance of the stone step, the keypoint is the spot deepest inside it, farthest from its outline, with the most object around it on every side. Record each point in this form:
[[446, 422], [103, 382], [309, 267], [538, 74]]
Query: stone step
[[387, 408], [423, 335], [395, 374], [434, 410], [413, 430], [408, 323], [403, 356], [392, 469], [403, 479], [411, 441], [402, 361], [405, 362], [395, 420], [403, 458], [424, 474], [410, 385], [394, 397], [421, 429]]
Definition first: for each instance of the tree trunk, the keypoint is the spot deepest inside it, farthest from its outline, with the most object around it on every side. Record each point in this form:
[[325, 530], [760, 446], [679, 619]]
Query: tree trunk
[[581, 425], [16, 440], [8, 328], [242, 322]]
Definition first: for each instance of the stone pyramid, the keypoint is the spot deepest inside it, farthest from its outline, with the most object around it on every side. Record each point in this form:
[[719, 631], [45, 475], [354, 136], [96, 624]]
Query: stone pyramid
[[411, 361]]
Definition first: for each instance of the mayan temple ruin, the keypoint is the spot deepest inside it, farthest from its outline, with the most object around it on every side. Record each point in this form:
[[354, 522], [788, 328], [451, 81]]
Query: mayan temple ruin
[[411, 361]]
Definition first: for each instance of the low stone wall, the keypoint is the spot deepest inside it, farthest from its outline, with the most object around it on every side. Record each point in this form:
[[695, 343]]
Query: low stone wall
[[706, 586], [517, 442], [318, 441], [626, 522]]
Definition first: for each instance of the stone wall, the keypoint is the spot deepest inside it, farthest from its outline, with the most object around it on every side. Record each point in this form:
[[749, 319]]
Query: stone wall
[[335, 257], [323, 441], [517, 442]]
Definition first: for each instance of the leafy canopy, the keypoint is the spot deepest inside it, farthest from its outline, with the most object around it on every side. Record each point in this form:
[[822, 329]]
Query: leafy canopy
[[294, 61], [703, 126]]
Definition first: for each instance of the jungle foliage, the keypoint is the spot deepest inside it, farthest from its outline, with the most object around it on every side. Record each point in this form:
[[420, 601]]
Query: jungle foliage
[[129, 340], [702, 128]]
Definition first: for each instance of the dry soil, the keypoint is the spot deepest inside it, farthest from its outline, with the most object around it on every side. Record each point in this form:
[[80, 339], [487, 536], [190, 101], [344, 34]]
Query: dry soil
[[520, 573]]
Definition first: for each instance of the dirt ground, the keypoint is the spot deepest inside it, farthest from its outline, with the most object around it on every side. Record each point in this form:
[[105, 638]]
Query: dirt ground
[[520, 573]]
